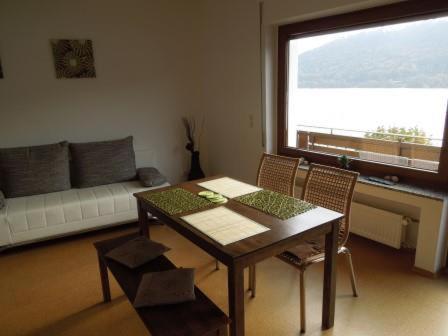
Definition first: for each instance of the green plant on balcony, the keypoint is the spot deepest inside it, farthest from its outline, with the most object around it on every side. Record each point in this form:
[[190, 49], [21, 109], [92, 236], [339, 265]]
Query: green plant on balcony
[[344, 162], [411, 134]]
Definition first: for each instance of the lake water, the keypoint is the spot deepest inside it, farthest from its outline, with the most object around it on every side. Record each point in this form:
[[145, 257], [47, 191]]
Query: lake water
[[365, 109]]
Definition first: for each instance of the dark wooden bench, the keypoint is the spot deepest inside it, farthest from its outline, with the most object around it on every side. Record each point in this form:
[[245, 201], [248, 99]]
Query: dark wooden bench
[[200, 317]]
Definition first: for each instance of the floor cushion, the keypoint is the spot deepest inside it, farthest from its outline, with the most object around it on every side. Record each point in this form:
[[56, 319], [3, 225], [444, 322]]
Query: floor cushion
[[137, 252], [167, 287]]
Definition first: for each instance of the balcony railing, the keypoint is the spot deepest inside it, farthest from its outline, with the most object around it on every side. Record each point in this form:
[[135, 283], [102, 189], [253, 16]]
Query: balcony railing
[[397, 152]]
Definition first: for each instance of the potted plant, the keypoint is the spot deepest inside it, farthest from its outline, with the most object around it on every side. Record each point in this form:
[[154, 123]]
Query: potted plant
[[344, 162]]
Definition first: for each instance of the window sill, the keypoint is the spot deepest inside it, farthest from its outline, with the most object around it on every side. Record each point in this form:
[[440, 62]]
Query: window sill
[[401, 187]]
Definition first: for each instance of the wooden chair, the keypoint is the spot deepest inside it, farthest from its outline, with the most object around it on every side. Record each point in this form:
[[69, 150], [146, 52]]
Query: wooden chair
[[331, 188], [276, 173]]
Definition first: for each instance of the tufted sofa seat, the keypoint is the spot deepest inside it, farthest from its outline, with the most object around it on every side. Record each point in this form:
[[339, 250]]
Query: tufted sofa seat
[[33, 218]]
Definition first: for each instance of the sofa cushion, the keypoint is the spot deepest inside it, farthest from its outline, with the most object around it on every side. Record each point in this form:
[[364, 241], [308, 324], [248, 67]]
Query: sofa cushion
[[105, 162], [2, 200], [150, 177], [34, 170]]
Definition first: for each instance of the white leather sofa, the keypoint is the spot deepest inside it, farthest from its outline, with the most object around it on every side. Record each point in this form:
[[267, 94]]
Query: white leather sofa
[[33, 218]]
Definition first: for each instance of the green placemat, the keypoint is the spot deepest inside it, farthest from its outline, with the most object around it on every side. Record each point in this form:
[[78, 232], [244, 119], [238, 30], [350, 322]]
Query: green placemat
[[275, 204], [176, 200]]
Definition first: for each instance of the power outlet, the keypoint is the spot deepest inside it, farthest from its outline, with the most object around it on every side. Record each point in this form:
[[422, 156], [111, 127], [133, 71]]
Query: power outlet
[[251, 120]]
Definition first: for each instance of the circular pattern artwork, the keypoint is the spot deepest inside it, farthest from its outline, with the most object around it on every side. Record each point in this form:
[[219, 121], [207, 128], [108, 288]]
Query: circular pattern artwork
[[73, 58]]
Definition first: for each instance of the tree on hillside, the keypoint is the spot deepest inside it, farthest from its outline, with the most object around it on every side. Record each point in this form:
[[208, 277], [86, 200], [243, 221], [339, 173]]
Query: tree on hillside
[[411, 134]]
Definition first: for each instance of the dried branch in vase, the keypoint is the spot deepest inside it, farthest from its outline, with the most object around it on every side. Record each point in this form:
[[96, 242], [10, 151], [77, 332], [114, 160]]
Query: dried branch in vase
[[190, 129]]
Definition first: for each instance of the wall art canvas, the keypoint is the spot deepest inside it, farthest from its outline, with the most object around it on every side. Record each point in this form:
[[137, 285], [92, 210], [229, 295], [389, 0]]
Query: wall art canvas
[[73, 58]]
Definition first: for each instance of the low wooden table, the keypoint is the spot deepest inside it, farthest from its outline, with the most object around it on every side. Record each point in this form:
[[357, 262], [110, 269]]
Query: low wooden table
[[200, 317], [282, 236]]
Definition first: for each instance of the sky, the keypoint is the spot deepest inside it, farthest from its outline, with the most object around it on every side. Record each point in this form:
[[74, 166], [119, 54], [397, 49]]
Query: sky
[[299, 46]]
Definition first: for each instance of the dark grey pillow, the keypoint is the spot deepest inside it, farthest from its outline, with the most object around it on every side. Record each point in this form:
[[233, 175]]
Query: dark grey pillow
[[168, 287], [34, 170], [105, 162], [150, 177], [2, 200], [136, 252]]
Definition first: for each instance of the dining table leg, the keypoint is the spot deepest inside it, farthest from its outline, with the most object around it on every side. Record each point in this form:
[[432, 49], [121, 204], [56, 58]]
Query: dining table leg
[[104, 279], [143, 220], [236, 300], [329, 297]]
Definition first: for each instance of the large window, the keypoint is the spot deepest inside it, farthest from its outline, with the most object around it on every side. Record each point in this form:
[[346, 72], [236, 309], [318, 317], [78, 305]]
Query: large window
[[376, 92]]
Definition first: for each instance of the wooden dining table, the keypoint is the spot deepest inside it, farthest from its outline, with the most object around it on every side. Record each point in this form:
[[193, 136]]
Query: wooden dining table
[[281, 236]]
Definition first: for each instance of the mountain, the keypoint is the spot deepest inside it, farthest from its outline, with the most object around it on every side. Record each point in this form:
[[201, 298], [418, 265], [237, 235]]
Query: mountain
[[412, 57]]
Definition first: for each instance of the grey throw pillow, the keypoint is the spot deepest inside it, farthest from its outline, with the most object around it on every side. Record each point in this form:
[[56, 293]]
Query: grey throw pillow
[[163, 288], [2, 200], [137, 252], [150, 177], [34, 170], [105, 162]]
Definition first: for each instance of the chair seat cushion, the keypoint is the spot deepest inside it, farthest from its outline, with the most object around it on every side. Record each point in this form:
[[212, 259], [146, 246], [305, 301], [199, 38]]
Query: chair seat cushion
[[303, 253], [137, 252]]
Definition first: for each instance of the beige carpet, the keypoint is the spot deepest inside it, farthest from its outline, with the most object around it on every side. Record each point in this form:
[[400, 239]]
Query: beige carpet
[[54, 289]]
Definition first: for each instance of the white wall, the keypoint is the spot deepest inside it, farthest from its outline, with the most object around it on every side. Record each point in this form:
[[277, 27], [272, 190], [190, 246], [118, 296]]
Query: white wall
[[146, 58], [232, 86], [233, 80]]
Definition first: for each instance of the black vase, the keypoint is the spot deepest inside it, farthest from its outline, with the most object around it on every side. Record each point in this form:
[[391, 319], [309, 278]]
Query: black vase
[[195, 170]]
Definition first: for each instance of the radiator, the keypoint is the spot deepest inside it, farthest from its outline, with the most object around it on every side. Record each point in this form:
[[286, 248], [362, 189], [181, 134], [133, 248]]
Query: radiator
[[424, 164], [385, 158], [379, 225]]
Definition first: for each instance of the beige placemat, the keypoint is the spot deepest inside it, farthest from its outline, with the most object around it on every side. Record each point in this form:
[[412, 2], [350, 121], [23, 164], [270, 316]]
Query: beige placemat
[[224, 225], [229, 187]]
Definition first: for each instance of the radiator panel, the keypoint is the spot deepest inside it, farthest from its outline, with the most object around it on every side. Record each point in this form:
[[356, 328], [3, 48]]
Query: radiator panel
[[379, 225]]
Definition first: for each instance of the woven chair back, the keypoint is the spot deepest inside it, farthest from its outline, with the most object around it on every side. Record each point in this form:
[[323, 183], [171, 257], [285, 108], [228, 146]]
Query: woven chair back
[[277, 173], [331, 188]]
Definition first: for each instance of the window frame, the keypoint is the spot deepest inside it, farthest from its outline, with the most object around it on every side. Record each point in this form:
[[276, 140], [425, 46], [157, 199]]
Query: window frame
[[406, 11]]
